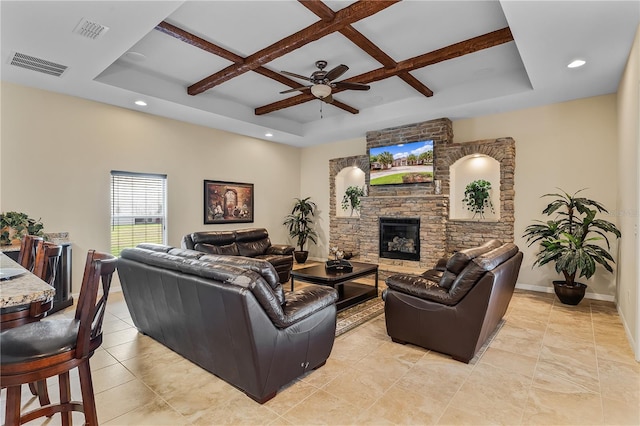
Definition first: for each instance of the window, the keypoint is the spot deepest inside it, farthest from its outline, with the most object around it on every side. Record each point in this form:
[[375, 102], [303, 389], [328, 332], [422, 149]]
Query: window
[[138, 209]]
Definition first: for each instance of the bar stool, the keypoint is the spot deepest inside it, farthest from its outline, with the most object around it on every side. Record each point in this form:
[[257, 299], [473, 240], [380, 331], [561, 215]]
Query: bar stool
[[35, 351], [27, 255], [46, 258]]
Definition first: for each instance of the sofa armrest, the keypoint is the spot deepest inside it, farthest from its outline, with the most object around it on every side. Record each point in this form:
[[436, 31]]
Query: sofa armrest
[[419, 286], [306, 301], [282, 249]]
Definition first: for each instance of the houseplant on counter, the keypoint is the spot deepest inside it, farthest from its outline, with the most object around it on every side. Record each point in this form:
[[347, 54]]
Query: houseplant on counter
[[569, 241], [351, 198], [300, 226], [15, 225]]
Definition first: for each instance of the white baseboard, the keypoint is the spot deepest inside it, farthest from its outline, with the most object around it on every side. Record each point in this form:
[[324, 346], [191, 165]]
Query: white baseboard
[[545, 289]]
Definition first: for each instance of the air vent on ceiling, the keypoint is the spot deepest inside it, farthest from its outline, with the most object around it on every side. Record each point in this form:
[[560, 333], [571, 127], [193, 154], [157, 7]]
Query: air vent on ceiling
[[37, 64], [90, 29]]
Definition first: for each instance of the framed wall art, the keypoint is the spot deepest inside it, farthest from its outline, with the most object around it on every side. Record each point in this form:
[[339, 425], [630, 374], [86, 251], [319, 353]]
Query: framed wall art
[[227, 202]]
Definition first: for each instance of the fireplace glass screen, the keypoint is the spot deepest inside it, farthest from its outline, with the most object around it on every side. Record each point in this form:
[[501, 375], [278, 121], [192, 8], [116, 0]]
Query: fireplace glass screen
[[400, 238]]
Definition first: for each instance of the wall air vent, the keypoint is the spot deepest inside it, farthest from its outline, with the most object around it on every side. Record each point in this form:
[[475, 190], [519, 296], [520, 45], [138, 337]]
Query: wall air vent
[[37, 64], [90, 29]]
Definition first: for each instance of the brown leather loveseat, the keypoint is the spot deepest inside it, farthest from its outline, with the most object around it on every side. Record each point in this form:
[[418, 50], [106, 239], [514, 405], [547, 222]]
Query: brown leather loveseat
[[456, 306], [229, 315], [249, 242]]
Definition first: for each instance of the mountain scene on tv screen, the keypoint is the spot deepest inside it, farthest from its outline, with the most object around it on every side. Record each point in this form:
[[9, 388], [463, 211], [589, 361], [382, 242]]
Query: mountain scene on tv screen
[[402, 163]]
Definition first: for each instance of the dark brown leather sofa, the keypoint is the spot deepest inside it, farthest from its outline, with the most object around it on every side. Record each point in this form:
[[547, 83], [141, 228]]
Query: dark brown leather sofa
[[229, 315], [250, 242], [455, 307]]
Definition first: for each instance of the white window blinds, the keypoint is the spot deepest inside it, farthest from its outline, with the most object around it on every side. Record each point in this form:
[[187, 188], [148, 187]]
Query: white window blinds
[[138, 209]]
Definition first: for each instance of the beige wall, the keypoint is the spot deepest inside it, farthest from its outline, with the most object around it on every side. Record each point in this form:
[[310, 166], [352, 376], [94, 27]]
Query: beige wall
[[570, 145], [314, 167], [57, 152], [628, 293]]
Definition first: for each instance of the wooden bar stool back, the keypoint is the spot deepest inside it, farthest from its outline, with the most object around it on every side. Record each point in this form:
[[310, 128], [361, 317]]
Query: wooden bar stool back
[[35, 351], [27, 255], [46, 262]]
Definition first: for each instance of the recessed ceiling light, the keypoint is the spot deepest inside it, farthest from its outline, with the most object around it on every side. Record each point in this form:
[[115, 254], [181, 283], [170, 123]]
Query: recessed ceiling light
[[269, 135], [140, 103], [576, 63]]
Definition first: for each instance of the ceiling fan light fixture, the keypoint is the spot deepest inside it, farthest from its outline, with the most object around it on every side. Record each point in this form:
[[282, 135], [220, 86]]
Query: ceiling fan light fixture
[[321, 90]]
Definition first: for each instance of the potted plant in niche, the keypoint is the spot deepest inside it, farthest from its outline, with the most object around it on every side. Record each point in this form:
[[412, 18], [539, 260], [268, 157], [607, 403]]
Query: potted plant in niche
[[300, 226], [351, 198], [569, 241], [477, 197], [15, 225]]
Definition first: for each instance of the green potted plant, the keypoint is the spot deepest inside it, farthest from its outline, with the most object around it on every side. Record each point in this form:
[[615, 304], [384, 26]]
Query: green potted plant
[[14, 225], [300, 226], [477, 197], [351, 198], [569, 241]]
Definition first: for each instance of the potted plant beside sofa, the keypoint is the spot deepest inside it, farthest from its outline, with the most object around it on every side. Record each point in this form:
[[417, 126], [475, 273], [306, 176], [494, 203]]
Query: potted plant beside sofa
[[570, 239], [300, 226]]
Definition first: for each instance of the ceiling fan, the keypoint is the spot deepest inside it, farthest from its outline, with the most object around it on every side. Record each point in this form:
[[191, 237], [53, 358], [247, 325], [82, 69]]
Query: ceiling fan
[[322, 82]]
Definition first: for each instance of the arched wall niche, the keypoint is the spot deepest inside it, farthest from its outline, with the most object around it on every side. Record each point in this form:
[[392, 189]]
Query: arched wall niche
[[344, 230], [349, 176], [469, 169]]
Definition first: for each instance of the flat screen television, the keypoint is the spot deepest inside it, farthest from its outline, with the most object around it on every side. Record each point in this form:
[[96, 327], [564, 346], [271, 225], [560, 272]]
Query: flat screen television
[[404, 163]]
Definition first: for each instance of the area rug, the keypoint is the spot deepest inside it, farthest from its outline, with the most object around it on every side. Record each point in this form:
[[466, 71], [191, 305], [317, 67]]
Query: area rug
[[359, 314]]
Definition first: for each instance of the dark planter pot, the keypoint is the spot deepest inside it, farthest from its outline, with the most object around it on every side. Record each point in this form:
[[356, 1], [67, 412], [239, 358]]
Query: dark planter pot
[[300, 256], [569, 295]]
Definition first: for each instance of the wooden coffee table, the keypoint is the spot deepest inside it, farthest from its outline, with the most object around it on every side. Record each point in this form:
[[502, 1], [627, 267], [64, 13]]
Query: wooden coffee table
[[350, 293]]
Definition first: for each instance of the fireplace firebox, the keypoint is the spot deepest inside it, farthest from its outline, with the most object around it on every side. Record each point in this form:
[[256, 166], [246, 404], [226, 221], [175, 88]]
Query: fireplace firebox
[[400, 238]]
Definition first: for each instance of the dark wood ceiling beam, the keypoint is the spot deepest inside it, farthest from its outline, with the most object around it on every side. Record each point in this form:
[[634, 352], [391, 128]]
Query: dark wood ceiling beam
[[207, 46], [387, 61], [453, 51], [343, 17], [320, 9], [324, 12], [198, 42], [471, 45]]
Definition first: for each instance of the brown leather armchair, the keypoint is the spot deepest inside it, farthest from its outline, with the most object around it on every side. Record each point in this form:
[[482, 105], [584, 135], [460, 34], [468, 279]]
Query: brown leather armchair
[[454, 308]]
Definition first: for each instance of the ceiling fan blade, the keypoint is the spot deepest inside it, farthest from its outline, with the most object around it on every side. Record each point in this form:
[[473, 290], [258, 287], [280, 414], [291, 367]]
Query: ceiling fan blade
[[351, 86], [327, 99], [292, 74], [297, 89], [336, 72]]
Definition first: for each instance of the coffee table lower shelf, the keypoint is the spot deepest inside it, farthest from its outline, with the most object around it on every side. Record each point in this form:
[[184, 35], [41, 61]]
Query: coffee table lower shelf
[[349, 292], [353, 293]]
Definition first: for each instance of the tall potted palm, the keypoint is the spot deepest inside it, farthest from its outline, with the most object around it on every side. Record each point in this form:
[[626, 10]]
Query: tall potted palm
[[569, 241], [300, 226]]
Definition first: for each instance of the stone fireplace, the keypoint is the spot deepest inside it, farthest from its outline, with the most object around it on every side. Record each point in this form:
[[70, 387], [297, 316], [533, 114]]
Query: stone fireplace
[[438, 234]]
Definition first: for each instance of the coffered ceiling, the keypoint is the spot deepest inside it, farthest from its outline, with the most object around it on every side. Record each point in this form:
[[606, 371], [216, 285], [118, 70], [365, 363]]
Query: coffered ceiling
[[219, 63]]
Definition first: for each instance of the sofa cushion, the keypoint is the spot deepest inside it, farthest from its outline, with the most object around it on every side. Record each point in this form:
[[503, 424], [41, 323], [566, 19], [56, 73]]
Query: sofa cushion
[[190, 254], [253, 248], [228, 249], [418, 286], [477, 268], [155, 247], [217, 238], [262, 267], [459, 260]]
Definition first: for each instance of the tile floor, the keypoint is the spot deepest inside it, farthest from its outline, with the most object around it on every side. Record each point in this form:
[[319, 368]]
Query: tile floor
[[536, 370]]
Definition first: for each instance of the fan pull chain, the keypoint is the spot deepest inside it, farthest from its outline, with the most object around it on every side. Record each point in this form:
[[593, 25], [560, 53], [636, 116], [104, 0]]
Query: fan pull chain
[[321, 109]]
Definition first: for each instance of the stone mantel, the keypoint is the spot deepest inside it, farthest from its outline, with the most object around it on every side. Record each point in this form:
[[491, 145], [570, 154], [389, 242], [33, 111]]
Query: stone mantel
[[404, 197]]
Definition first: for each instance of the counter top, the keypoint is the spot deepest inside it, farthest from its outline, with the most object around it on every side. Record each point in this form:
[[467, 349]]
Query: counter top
[[21, 289]]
